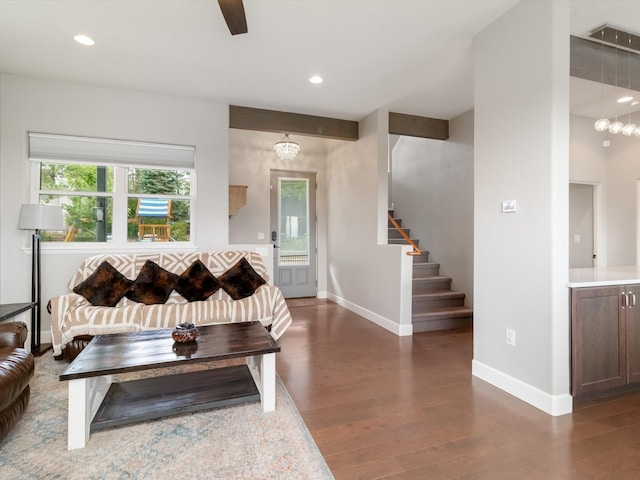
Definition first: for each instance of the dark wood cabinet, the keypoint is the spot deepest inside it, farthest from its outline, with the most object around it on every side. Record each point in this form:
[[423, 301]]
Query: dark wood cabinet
[[632, 317], [605, 338]]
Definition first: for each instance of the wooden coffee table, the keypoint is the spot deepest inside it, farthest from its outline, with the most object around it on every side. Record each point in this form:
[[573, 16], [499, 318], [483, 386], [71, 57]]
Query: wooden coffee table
[[96, 402]]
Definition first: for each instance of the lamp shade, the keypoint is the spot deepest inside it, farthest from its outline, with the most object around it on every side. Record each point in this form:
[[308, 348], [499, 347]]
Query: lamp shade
[[41, 217]]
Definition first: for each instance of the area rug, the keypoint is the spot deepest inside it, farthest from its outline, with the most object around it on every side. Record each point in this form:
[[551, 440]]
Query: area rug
[[236, 443]]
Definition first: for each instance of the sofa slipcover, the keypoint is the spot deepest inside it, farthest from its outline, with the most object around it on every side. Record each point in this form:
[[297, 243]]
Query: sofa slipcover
[[73, 316]]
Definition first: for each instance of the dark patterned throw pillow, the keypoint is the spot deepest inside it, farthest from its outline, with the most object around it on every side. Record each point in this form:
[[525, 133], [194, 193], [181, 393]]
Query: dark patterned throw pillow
[[153, 285], [197, 283], [241, 280], [104, 287]]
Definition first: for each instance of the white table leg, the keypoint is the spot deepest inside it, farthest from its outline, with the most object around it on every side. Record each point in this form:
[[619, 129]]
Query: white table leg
[[251, 362], [264, 374], [268, 378], [85, 397]]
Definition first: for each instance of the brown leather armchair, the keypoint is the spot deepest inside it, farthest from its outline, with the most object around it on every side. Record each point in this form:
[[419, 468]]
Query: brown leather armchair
[[16, 369]]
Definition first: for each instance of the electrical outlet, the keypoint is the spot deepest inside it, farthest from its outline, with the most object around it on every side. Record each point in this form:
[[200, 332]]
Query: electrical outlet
[[260, 235], [510, 337]]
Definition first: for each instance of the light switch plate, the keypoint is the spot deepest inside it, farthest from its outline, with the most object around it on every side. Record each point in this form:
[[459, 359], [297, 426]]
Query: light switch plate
[[509, 206]]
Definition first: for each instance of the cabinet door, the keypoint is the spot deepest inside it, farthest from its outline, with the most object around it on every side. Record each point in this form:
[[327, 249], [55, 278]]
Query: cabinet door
[[598, 353], [633, 333]]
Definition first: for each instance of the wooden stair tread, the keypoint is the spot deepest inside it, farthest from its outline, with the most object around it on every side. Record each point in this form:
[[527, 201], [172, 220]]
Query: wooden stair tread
[[439, 324], [441, 294], [445, 312], [421, 266], [431, 279], [423, 260], [394, 234]]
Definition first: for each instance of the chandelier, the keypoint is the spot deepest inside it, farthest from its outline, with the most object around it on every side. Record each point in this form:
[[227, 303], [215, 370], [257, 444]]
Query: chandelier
[[286, 149], [603, 124]]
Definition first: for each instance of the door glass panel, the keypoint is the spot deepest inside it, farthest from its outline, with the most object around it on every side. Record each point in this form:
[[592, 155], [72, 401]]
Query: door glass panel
[[293, 221]]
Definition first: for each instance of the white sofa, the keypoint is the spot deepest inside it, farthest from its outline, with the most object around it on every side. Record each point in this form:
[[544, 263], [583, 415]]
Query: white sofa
[[73, 317]]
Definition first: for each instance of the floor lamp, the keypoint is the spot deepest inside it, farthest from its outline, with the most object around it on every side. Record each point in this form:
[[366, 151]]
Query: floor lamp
[[38, 217]]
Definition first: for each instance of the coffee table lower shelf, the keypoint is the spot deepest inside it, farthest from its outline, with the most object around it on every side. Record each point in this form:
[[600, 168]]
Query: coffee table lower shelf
[[148, 398]]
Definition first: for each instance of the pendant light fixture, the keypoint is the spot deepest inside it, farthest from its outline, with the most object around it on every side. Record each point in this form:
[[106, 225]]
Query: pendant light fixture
[[616, 36], [602, 124], [630, 128], [286, 149], [617, 126]]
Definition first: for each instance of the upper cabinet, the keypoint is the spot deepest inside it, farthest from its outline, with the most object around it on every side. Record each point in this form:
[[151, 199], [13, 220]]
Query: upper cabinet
[[237, 198]]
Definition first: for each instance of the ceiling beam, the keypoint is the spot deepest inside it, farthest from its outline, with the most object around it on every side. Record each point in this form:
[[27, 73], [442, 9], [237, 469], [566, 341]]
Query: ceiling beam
[[247, 118], [415, 126], [233, 12]]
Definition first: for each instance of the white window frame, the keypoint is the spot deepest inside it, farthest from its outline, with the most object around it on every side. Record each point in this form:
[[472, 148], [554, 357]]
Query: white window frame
[[120, 193]]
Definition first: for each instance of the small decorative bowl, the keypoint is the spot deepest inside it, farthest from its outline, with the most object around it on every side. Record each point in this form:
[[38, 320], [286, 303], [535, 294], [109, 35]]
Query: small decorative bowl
[[184, 333]]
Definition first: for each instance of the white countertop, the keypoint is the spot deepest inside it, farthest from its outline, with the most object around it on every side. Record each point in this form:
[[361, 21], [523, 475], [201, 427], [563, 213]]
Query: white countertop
[[602, 276]]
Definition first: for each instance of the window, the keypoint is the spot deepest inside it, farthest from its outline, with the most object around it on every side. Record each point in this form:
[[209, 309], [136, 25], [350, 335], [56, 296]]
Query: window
[[294, 221], [115, 191]]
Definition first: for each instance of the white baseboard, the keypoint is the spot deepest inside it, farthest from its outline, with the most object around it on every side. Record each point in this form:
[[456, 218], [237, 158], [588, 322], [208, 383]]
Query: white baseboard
[[400, 330], [555, 405]]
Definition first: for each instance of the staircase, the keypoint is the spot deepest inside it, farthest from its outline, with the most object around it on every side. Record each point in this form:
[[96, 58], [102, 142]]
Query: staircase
[[434, 305]]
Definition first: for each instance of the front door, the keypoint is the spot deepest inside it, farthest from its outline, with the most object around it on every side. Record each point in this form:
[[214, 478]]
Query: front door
[[293, 232]]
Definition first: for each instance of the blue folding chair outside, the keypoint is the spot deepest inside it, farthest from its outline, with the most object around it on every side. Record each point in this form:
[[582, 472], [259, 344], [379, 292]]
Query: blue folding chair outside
[[152, 209]]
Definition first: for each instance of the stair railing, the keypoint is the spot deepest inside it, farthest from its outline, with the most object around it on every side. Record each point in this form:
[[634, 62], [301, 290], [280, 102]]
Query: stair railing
[[416, 250]]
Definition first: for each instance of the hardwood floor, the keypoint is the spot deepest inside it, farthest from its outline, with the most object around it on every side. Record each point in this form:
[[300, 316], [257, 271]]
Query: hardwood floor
[[386, 407]]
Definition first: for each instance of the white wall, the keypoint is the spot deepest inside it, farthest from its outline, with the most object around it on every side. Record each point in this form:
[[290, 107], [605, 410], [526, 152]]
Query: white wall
[[616, 170], [28, 104], [522, 154], [364, 273], [433, 194], [621, 202], [588, 161], [588, 164], [251, 158]]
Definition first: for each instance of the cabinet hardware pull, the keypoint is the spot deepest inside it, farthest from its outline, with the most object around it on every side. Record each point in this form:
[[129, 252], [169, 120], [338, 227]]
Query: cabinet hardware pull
[[625, 300], [633, 299]]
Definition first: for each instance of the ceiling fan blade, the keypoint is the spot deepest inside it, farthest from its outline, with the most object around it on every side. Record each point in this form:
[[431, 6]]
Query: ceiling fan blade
[[233, 12]]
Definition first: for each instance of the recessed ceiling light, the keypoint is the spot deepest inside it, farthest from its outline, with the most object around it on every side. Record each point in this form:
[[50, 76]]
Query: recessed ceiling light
[[625, 99], [84, 40], [634, 103], [316, 79]]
